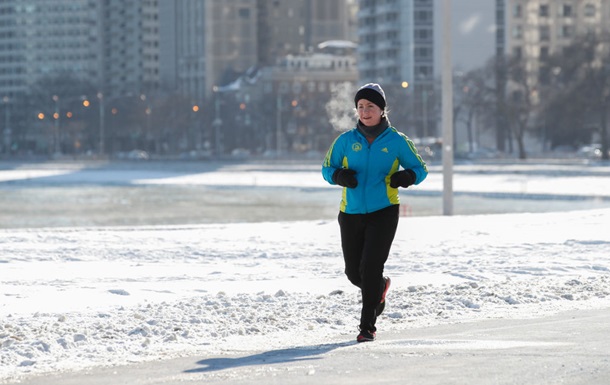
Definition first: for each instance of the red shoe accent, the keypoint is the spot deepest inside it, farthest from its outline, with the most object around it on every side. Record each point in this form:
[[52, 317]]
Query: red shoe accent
[[366, 336]]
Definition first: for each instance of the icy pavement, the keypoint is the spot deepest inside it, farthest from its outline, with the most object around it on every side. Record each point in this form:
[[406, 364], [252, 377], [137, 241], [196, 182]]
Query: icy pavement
[[568, 348]]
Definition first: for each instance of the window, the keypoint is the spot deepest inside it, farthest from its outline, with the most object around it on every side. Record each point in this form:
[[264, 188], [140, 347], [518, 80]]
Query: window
[[566, 31], [244, 13], [545, 33], [590, 10], [567, 10], [543, 11], [423, 71], [422, 34], [517, 52], [518, 31], [423, 15], [544, 75], [423, 52], [544, 53], [517, 11]]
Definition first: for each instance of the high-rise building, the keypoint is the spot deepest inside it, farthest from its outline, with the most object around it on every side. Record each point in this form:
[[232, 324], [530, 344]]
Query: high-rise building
[[130, 42], [209, 43], [298, 26], [112, 44], [396, 49], [206, 43], [396, 40], [45, 38], [131, 46], [536, 29]]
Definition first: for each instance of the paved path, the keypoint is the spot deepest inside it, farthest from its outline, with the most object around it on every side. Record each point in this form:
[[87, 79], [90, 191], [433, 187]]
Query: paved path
[[569, 348]]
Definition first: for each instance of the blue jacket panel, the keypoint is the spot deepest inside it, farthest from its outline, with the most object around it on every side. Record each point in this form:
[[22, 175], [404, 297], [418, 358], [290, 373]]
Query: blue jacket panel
[[374, 164]]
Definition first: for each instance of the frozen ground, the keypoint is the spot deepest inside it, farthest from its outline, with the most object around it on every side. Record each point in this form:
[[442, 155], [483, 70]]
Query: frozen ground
[[82, 296], [132, 194]]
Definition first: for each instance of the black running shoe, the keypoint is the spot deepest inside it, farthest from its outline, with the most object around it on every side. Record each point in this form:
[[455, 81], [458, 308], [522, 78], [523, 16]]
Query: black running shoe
[[366, 336], [381, 305]]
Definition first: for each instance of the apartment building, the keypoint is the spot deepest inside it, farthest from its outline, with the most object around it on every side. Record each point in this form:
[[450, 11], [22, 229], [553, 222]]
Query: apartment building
[[536, 29], [112, 44], [204, 44], [129, 35], [396, 49], [43, 38]]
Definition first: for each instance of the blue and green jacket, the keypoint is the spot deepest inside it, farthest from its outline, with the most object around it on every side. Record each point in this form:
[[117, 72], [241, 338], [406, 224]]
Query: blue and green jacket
[[374, 163]]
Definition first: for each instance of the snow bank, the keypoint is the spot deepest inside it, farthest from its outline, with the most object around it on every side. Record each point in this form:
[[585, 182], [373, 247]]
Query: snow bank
[[80, 297]]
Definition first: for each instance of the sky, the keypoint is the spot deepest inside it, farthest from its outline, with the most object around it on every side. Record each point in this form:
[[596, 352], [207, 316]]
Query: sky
[[76, 297]]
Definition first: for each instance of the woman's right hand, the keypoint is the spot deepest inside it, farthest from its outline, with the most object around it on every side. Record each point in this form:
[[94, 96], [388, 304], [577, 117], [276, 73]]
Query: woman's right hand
[[345, 177]]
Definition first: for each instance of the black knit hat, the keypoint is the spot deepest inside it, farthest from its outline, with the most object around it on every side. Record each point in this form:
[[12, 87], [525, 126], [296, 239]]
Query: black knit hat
[[371, 92]]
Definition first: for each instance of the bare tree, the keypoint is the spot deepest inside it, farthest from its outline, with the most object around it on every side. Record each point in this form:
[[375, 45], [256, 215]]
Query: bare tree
[[475, 97], [577, 91], [522, 100]]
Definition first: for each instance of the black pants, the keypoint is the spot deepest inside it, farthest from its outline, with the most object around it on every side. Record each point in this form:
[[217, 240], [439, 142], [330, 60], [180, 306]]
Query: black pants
[[366, 240]]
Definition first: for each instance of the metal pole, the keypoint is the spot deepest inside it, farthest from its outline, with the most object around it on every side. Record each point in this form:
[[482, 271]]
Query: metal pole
[[7, 129], [278, 125], [56, 116], [102, 122], [217, 123], [447, 95], [425, 110]]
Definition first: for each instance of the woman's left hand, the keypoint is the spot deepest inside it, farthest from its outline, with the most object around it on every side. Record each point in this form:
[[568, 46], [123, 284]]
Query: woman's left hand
[[404, 178]]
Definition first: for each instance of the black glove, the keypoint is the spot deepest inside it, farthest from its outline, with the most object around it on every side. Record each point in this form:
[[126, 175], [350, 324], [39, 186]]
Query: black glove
[[345, 177], [404, 178]]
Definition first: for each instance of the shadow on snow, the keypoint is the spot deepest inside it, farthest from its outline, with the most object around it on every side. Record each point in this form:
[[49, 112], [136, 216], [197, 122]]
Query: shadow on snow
[[279, 356]]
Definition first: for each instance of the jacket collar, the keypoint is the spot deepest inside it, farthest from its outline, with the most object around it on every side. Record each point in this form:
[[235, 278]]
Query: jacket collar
[[373, 131]]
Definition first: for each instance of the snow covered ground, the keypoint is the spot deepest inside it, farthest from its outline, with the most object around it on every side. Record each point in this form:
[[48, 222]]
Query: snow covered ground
[[75, 297]]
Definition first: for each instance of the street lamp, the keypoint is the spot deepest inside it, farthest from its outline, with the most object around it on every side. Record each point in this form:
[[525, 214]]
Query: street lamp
[[217, 123], [100, 96], [447, 111], [278, 124], [148, 113], [56, 117], [604, 111], [7, 129], [408, 103]]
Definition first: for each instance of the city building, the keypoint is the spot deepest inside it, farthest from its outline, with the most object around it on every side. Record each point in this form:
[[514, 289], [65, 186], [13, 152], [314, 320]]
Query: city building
[[396, 49], [129, 35], [42, 38], [286, 108], [209, 44], [539, 28], [202, 43], [112, 44], [298, 26]]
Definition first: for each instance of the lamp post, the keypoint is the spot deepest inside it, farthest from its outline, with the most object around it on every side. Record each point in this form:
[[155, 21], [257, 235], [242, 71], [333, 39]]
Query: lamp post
[[199, 136], [217, 123], [405, 86], [56, 117], [447, 111], [7, 129], [148, 113], [100, 97], [278, 126], [424, 96], [604, 111]]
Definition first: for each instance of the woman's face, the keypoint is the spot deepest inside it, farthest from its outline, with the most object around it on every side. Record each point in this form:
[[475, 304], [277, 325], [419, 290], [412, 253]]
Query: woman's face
[[368, 112]]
